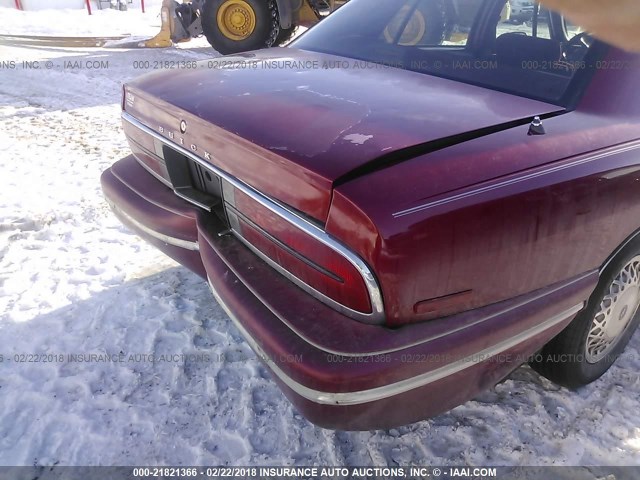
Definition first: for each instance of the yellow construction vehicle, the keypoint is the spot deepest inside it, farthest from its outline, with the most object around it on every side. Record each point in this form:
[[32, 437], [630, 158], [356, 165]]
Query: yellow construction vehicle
[[233, 26]]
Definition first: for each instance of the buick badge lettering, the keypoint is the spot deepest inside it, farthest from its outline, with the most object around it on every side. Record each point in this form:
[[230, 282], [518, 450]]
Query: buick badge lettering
[[172, 136]]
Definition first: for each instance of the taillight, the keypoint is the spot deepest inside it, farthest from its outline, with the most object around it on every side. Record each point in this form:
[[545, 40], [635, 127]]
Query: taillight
[[303, 258], [147, 151], [293, 245]]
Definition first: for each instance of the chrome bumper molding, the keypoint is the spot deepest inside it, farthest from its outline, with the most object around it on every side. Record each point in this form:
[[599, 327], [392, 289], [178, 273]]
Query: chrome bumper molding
[[176, 242], [403, 386]]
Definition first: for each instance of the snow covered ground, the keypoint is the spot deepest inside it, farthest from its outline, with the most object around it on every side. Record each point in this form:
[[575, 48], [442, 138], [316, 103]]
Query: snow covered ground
[[73, 281], [76, 21]]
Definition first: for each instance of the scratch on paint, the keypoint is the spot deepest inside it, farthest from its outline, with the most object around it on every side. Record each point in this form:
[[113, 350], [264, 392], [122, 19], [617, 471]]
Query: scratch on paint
[[357, 138]]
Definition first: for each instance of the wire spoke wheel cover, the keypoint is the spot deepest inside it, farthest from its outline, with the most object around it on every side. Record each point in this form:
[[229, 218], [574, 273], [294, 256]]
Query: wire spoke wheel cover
[[236, 19], [615, 313]]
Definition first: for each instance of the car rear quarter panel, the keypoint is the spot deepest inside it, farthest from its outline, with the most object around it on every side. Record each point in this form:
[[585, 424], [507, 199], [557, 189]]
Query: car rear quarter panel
[[519, 213]]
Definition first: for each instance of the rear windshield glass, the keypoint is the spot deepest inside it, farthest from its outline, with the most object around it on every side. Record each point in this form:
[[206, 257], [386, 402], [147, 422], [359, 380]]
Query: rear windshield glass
[[512, 46]]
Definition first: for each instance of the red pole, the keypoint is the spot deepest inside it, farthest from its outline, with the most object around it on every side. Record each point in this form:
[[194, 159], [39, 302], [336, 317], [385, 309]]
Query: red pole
[[89, 6], [18, 5], [142, 3]]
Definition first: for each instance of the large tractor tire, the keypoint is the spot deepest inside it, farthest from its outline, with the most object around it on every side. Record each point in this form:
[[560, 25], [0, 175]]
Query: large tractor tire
[[233, 26], [426, 26]]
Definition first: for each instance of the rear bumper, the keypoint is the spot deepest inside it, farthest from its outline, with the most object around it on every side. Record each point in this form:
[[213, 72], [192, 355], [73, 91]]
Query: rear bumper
[[338, 372]]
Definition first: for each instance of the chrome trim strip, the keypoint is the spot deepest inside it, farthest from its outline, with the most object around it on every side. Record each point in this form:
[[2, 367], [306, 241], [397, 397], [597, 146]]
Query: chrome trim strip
[[403, 386], [377, 315], [489, 188], [176, 242]]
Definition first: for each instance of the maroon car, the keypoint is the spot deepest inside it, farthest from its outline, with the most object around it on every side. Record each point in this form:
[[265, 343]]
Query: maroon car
[[395, 225]]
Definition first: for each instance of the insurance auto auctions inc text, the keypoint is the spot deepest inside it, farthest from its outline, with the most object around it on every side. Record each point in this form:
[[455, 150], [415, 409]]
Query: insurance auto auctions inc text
[[376, 472]]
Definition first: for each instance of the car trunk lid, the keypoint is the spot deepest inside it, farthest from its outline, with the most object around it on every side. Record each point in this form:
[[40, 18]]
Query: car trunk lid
[[290, 122]]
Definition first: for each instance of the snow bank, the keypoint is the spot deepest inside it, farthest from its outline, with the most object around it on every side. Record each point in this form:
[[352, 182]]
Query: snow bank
[[71, 21], [71, 4]]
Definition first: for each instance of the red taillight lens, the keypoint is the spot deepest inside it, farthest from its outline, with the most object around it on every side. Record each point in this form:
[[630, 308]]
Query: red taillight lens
[[301, 255], [144, 149]]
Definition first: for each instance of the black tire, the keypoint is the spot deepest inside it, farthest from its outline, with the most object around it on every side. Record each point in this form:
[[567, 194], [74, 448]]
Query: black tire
[[566, 360], [284, 35], [264, 33]]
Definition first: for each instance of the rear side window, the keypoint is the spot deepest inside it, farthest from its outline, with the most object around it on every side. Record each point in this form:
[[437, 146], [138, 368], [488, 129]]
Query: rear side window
[[510, 46]]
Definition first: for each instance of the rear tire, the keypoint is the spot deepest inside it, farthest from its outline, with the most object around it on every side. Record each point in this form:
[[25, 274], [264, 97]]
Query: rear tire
[[587, 348], [233, 26]]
